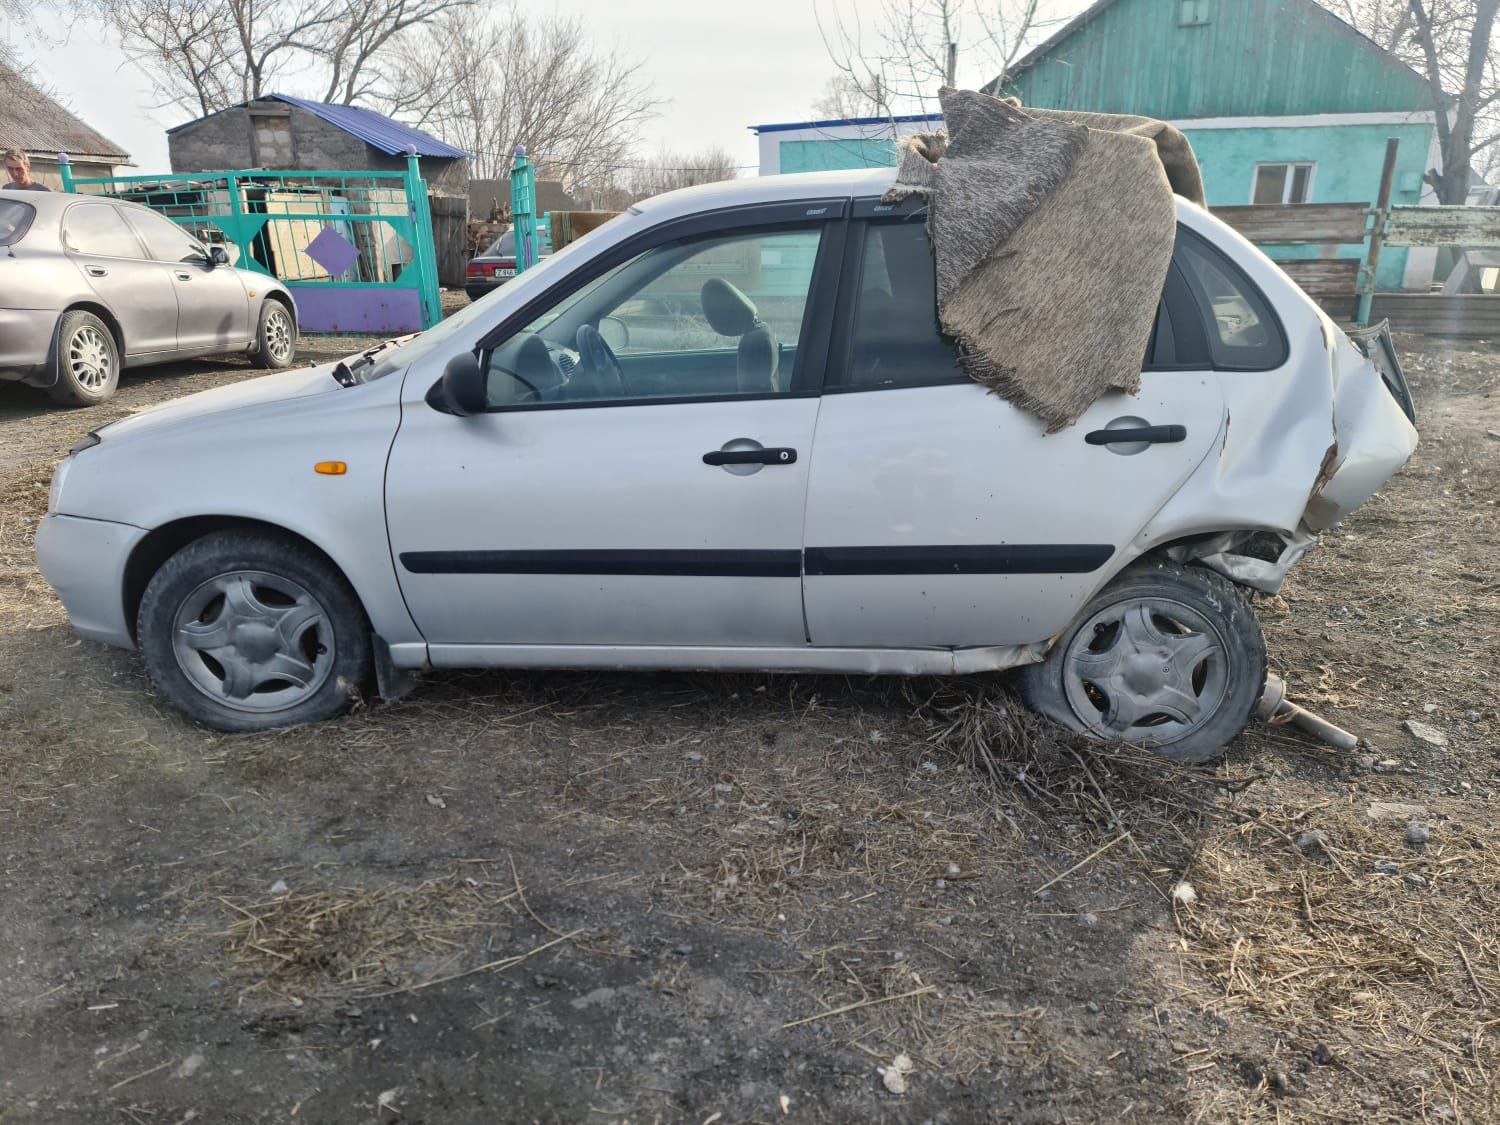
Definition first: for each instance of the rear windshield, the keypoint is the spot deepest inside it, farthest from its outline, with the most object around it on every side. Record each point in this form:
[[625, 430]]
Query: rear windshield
[[502, 247], [15, 218]]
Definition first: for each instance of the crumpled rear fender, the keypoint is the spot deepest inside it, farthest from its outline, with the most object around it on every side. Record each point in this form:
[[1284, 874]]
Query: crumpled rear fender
[[1303, 446]]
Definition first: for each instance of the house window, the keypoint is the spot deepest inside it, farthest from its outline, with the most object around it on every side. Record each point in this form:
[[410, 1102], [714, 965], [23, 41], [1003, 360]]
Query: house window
[[1192, 13], [1282, 183]]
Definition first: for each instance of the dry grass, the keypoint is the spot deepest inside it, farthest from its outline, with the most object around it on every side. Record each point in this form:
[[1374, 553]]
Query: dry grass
[[382, 940]]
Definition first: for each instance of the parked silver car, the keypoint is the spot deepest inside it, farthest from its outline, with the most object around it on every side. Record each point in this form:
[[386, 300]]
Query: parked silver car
[[789, 472], [89, 286]]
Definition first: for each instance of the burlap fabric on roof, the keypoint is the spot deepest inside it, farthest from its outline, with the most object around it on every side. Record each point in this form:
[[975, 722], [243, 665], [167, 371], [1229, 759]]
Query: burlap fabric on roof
[[1053, 232]]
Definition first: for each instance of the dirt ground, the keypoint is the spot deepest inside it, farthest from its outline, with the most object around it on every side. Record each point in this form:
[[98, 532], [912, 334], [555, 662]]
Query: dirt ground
[[568, 897]]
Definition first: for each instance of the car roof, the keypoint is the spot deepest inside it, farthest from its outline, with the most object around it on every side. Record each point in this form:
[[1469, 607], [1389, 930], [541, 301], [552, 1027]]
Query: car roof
[[767, 189]]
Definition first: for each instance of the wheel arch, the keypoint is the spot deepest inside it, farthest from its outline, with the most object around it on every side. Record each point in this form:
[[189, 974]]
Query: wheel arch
[[284, 299], [104, 314], [163, 542]]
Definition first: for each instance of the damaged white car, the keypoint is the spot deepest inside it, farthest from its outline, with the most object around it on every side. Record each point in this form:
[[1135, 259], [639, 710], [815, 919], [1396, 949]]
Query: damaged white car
[[728, 431]]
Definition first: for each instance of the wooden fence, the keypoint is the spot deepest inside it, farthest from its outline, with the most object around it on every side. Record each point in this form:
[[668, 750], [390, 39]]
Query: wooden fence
[[1345, 287], [450, 237]]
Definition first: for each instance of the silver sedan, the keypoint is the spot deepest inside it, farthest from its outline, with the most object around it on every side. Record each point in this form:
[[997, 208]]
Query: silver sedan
[[90, 286]]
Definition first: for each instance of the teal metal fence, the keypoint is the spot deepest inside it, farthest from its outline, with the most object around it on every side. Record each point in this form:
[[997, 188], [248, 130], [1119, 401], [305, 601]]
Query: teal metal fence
[[354, 247]]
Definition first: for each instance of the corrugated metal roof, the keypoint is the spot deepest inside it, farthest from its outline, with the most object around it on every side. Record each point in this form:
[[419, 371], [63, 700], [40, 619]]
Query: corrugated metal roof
[[375, 129], [36, 124]]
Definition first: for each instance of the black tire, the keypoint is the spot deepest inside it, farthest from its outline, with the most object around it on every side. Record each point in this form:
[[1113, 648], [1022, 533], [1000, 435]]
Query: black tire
[[275, 348], [1168, 605], [86, 360], [263, 573]]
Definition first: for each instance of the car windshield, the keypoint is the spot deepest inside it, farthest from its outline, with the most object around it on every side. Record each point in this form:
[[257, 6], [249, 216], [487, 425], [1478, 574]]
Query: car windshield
[[15, 219], [502, 247], [468, 324]]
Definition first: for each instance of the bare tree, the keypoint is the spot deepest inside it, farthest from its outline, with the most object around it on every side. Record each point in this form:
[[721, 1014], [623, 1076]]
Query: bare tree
[[1450, 42], [490, 84], [204, 55], [842, 98], [895, 57], [665, 170]]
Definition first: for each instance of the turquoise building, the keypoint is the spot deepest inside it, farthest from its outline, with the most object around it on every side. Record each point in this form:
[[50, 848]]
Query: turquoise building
[[849, 142], [1283, 102]]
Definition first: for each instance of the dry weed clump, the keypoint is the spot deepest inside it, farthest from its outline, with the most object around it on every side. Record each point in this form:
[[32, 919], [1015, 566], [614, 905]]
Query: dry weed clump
[[380, 940]]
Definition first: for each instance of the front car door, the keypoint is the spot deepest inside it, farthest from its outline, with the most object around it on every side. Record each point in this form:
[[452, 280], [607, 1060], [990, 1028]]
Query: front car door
[[213, 309], [137, 291], [640, 476], [940, 515]]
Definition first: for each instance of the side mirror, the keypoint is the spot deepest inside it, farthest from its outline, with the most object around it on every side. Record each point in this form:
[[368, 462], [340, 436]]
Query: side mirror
[[462, 389], [217, 256]]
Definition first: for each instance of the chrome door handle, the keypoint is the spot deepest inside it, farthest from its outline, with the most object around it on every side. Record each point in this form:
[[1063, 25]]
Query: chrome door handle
[[184, 276], [96, 271]]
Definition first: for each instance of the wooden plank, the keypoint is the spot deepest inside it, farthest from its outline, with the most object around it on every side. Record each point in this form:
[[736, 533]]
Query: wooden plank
[[1472, 227], [570, 226], [1340, 224], [1432, 314], [1323, 277]]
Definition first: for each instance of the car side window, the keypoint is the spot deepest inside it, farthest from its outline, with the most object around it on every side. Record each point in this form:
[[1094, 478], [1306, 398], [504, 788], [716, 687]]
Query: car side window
[[99, 228], [1242, 332], [166, 241], [895, 339], [692, 318]]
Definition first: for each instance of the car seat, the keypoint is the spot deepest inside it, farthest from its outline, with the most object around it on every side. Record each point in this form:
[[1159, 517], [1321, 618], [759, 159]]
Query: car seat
[[730, 313]]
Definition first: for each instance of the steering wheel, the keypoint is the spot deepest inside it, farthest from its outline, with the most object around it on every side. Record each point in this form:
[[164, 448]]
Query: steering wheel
[[598, 357]]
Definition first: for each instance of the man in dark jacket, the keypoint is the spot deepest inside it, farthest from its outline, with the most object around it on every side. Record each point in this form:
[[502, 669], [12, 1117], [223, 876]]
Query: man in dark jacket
[[18, 168]]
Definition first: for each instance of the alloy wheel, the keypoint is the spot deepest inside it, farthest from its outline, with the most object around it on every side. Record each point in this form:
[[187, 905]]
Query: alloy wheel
[[89, 358], [278, 336]]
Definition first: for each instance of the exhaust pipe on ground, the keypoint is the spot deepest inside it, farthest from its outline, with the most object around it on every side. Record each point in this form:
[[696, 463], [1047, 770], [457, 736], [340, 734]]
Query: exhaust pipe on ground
[[1276, 708]]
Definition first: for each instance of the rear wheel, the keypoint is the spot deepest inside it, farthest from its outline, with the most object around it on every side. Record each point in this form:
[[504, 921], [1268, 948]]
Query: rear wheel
[[248, 631], [86, 358], [1166, 656], [276, 340]]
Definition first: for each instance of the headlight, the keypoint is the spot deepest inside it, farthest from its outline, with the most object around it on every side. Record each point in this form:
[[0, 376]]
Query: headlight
[[58, 476]]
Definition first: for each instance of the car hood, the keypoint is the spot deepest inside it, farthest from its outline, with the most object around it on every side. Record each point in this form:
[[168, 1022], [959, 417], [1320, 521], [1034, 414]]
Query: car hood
[[297, 383]]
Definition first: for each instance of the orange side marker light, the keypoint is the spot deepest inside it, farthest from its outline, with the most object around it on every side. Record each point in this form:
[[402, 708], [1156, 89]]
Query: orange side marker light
[[331, 468]]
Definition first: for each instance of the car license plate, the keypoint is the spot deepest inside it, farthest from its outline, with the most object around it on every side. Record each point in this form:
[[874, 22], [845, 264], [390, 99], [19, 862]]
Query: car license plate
[[505, 273]]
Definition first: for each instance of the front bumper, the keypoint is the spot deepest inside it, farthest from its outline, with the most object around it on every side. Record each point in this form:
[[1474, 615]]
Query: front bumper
[[26, 344], [84, 561]]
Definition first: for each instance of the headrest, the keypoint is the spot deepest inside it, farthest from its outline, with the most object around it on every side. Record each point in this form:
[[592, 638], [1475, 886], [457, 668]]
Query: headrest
[[728, 311]]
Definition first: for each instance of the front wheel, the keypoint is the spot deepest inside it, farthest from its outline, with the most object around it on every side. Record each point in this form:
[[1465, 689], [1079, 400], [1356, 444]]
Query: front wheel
[[276, 340], [248, 631], [1165, 656]]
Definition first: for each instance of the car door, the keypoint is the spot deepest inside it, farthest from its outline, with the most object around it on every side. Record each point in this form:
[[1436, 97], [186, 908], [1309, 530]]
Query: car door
[[213, 309], [939, 514], [653, 500], [137, 291]]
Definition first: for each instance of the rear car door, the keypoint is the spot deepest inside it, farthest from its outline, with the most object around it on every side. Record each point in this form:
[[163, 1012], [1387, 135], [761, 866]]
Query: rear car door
[[940, 515], [213, 309], [137, 291], [656, 501]]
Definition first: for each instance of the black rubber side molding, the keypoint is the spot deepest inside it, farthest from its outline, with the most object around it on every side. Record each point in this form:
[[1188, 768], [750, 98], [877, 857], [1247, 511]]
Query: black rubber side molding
[[999, 558], [1154, 435], [678, 563], [751, 457]]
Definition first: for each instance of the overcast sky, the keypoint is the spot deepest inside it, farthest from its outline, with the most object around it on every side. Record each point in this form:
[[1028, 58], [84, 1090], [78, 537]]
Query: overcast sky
[[720, 66]]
